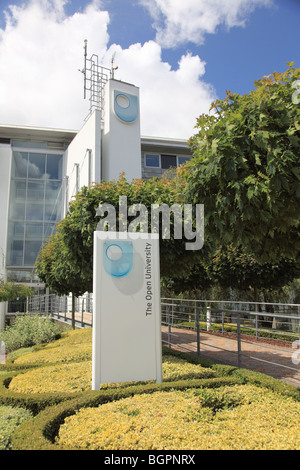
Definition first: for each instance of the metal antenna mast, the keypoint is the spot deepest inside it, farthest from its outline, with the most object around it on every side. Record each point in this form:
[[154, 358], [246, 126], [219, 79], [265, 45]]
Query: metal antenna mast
[[95, 77]]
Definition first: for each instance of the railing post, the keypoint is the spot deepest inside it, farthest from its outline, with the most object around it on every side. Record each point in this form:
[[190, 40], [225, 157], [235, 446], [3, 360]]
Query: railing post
[[299, 323], [172, 321], [208, 318], [169, 326], [256, 322], [239, 339], [82, 309], [198, 331], [222, 307]]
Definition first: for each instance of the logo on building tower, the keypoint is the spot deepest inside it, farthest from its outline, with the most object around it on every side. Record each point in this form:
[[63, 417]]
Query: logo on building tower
[[125, 106]]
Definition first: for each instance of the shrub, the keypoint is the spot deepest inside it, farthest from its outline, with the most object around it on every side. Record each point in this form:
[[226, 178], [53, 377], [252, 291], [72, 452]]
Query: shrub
[[77, 376], [34, 402], [187, 371], [69, 378], [40, 433], [10, 418], [28, 330], [234, 417], [72, 346]]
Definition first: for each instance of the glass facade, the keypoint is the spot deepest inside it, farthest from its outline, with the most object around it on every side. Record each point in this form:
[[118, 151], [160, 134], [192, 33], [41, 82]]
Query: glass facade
[[35, 201]]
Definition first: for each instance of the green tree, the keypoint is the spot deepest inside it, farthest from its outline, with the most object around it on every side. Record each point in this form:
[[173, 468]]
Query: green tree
[[57, 267], [246, 169], [77, 228], [231, 267], [10, 290]]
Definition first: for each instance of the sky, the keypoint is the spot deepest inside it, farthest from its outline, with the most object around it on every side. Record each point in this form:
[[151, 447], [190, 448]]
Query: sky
[[181, 54]]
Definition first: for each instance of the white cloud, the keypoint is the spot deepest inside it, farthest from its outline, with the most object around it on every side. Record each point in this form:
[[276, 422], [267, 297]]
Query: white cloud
[[41, 50], [170, 100], [178, 21]]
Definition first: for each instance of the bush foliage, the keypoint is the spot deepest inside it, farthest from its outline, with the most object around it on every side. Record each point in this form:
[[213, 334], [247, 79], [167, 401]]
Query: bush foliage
[[28, 330], [199, 419], [57, 387], [10, 419]]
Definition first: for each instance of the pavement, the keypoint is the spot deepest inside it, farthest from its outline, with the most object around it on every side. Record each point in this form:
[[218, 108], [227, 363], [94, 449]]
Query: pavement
[[282, 363], [261, 357]]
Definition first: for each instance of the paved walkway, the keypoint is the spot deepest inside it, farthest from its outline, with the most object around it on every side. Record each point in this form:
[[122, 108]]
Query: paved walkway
[[276, 362], [222, 349]]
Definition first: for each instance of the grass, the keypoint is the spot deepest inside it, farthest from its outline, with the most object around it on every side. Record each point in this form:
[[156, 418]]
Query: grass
[[199, 405]]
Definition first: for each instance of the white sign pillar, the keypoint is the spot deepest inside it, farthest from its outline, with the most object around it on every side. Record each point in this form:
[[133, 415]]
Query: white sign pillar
[[126, 308], [121, 137]]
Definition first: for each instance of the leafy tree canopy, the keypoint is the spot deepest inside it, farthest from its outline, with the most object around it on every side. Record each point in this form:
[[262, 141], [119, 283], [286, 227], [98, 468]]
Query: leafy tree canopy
[[246, 169], [67, 258], [230, 267], [56, 268], [10, 290]]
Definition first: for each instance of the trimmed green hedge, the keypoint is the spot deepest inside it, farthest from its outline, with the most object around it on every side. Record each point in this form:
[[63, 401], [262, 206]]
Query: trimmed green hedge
[[265, 381], [50, 409], [247, 376], [39, 401], [40, 433], [33, 402], [10, 419]]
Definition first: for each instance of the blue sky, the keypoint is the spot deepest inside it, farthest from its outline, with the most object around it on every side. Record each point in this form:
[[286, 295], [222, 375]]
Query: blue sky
[[235, 58], [182, 55]]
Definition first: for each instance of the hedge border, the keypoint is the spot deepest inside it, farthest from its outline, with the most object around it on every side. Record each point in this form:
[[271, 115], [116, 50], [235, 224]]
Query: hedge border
[[40, 432], [246, 375], [51, 409], [36, 402], [39, 401]]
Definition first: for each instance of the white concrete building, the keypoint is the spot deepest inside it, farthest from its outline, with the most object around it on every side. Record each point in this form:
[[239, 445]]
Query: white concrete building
[[41, 170]]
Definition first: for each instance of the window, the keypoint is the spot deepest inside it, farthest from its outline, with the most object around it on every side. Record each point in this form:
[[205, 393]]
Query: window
[[182, 160], [54, 166], [29, 144], [19, 164], [168, 161], [164, 161], [38, 145], [36, 165], [32, 247], [35, 204], [4, 140], [21, 276], [152, 160]]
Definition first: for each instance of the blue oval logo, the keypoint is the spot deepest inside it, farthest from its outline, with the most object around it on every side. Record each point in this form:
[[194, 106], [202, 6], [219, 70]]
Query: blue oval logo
[[125, 106], [118, 258]]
